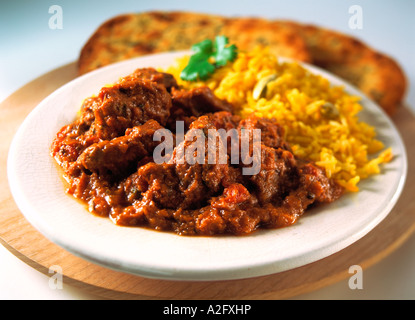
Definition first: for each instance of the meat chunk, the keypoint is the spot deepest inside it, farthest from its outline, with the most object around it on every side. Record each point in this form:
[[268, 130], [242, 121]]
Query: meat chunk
[[276, 177], [159, 183], [272, 134], [151, 74], [199, 176], [117, 156], [319, 188], [198, 101], [277, 173], [73, 138], [128, 104], [225, 120], [188, 105]]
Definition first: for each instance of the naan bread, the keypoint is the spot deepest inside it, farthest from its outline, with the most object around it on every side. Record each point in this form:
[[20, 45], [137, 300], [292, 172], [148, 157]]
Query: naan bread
[[133, 35]]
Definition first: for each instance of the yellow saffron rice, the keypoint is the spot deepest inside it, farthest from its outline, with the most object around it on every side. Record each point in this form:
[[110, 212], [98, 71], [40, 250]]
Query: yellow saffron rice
[[346, 147]]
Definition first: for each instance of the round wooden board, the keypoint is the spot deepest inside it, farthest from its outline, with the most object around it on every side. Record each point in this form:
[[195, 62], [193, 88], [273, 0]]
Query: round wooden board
[[28, 244]]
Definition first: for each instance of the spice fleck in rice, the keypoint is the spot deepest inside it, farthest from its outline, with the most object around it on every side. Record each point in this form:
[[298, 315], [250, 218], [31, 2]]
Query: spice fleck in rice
[[320, 120]]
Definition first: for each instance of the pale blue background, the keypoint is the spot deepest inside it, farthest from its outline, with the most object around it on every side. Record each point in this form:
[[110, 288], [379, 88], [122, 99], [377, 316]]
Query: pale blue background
[[28, 49]]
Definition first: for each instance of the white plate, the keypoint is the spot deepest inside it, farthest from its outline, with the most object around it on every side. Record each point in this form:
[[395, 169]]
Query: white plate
[[39, 193]]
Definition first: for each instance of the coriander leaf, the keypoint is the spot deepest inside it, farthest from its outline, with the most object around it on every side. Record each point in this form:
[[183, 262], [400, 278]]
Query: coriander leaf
[[205, 46], [223, 53], [201, 66], [198, 68]]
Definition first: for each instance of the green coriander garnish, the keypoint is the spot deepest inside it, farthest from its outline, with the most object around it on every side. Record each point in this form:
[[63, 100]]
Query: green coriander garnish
[[207, 57]]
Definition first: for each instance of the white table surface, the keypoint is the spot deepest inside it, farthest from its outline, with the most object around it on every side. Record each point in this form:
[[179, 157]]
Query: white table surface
[[29, 48]]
